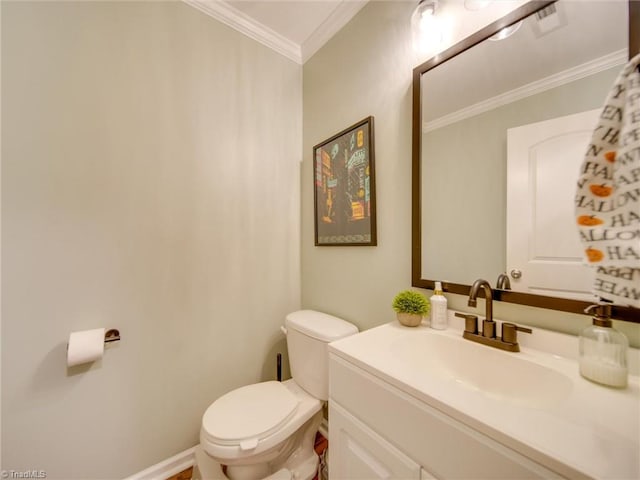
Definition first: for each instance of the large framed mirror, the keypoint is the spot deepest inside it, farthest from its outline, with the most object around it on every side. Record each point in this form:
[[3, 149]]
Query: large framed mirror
[[476, 107]]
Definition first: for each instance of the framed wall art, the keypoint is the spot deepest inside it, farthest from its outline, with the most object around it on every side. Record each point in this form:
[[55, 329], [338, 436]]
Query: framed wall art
[[344, 186]]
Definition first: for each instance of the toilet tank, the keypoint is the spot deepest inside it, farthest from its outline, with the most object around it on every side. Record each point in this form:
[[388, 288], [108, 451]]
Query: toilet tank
[[308, 336]]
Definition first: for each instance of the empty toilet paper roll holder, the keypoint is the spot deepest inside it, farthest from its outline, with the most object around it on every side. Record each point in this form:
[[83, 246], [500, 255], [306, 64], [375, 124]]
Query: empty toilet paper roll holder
[[111, 335]]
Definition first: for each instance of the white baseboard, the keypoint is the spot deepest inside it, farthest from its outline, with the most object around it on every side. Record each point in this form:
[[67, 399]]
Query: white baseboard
[[168, 467]]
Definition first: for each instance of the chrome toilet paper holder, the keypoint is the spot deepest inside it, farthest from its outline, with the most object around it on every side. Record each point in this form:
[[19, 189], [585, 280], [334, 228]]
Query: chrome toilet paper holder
[[111, 335]]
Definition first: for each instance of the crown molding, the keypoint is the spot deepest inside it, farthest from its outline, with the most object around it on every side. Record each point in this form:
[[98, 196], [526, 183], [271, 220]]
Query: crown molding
[[329, 27], [556, 80], [237, 20]]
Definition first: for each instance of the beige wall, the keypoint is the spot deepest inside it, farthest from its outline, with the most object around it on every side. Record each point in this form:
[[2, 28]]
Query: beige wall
[[150, 182], [366, 70]]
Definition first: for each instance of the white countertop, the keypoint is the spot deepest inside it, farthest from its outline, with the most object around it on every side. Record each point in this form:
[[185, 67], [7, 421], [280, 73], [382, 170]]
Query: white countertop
[[594, 431]]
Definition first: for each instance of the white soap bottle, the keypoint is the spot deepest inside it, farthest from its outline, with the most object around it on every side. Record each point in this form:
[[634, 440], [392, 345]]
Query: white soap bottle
[[439, 319]]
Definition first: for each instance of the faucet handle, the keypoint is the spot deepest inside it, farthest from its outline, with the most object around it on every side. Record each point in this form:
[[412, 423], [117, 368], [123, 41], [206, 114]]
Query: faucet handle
[[470, 322], [510, 332]]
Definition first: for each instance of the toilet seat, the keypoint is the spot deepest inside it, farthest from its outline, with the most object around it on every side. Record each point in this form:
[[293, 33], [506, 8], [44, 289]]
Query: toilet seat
[[278, 419], [249, 414]]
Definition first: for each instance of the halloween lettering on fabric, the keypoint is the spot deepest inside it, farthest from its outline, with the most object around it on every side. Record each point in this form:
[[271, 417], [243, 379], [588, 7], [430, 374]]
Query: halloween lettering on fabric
[[621, 253], [622, 282], [608, 195], [625, 273], [625, 219], [612, 113], [610, 135], [606, 286], [597, 169], [602, 235], [631, 156], [583, 201], [631, 136]]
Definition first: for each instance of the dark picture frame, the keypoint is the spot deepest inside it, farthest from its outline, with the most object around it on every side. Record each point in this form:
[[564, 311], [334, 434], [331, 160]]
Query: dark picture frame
[[344, 187]]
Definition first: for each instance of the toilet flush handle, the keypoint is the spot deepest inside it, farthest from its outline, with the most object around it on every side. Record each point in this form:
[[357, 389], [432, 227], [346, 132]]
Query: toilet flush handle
[[283, 329]]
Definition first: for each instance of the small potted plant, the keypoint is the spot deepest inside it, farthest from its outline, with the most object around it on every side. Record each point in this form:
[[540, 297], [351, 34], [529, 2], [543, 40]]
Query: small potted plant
[[410, 307]]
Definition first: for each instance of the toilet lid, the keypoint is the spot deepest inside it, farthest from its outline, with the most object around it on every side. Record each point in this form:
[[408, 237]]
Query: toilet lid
[[248, 414]]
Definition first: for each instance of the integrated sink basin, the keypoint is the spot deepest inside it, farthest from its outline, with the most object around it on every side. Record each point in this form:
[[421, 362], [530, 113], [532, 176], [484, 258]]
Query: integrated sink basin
[[505, 376]]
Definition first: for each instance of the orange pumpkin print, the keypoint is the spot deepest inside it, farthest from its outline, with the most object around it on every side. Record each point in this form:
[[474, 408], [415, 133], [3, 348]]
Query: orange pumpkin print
[[594, 255], [610, 156], [589, 220], [601, 190]]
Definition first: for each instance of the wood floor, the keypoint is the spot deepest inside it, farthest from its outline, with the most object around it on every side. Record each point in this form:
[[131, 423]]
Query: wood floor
[[184, 475]]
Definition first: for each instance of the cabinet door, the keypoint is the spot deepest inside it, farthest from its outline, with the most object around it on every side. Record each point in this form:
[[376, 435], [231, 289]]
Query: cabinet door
[[357, 452]]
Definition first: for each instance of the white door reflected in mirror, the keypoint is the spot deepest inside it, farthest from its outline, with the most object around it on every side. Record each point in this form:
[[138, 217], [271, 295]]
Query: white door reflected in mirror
[[543, 161]]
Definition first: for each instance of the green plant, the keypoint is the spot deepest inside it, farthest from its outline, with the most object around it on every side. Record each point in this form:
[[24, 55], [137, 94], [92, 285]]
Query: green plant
[[409, 301]]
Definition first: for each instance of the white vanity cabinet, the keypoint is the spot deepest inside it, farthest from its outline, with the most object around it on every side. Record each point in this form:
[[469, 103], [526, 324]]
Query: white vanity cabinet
[[414, 402], [359, 452], [377, 430]]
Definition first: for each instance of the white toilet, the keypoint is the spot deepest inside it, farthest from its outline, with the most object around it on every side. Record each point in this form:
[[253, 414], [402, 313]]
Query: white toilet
[[267, 430]]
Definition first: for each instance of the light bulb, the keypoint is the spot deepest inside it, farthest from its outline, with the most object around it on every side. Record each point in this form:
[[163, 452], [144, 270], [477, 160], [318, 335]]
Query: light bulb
[[426, 29]]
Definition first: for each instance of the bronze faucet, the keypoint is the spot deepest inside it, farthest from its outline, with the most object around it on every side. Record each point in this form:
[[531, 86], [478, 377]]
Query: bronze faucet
[[487, 335], [488, 295], [503, 282]]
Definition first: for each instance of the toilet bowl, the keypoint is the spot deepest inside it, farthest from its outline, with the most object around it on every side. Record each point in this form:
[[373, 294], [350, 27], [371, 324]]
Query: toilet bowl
[[255, 429], [267, 430]]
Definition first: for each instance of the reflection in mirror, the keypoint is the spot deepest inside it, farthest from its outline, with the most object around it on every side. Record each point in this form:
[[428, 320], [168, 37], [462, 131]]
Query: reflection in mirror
[[484, 208]]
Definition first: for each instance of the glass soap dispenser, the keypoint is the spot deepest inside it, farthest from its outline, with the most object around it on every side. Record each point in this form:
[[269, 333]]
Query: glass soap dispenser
[[603, 350]]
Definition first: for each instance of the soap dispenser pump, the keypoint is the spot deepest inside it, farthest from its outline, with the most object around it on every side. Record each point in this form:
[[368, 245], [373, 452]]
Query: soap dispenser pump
[[603, 350]]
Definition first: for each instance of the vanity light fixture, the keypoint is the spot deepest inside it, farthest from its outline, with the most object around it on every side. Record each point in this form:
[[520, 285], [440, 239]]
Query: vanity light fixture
[[506, 32], [425, 26]]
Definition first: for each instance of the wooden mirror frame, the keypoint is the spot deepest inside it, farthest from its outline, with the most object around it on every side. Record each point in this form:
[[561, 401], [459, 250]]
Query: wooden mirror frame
[[627, 314]]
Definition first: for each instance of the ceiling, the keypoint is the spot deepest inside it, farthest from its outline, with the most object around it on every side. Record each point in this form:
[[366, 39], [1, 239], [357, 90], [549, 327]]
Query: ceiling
[[295, 28]]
